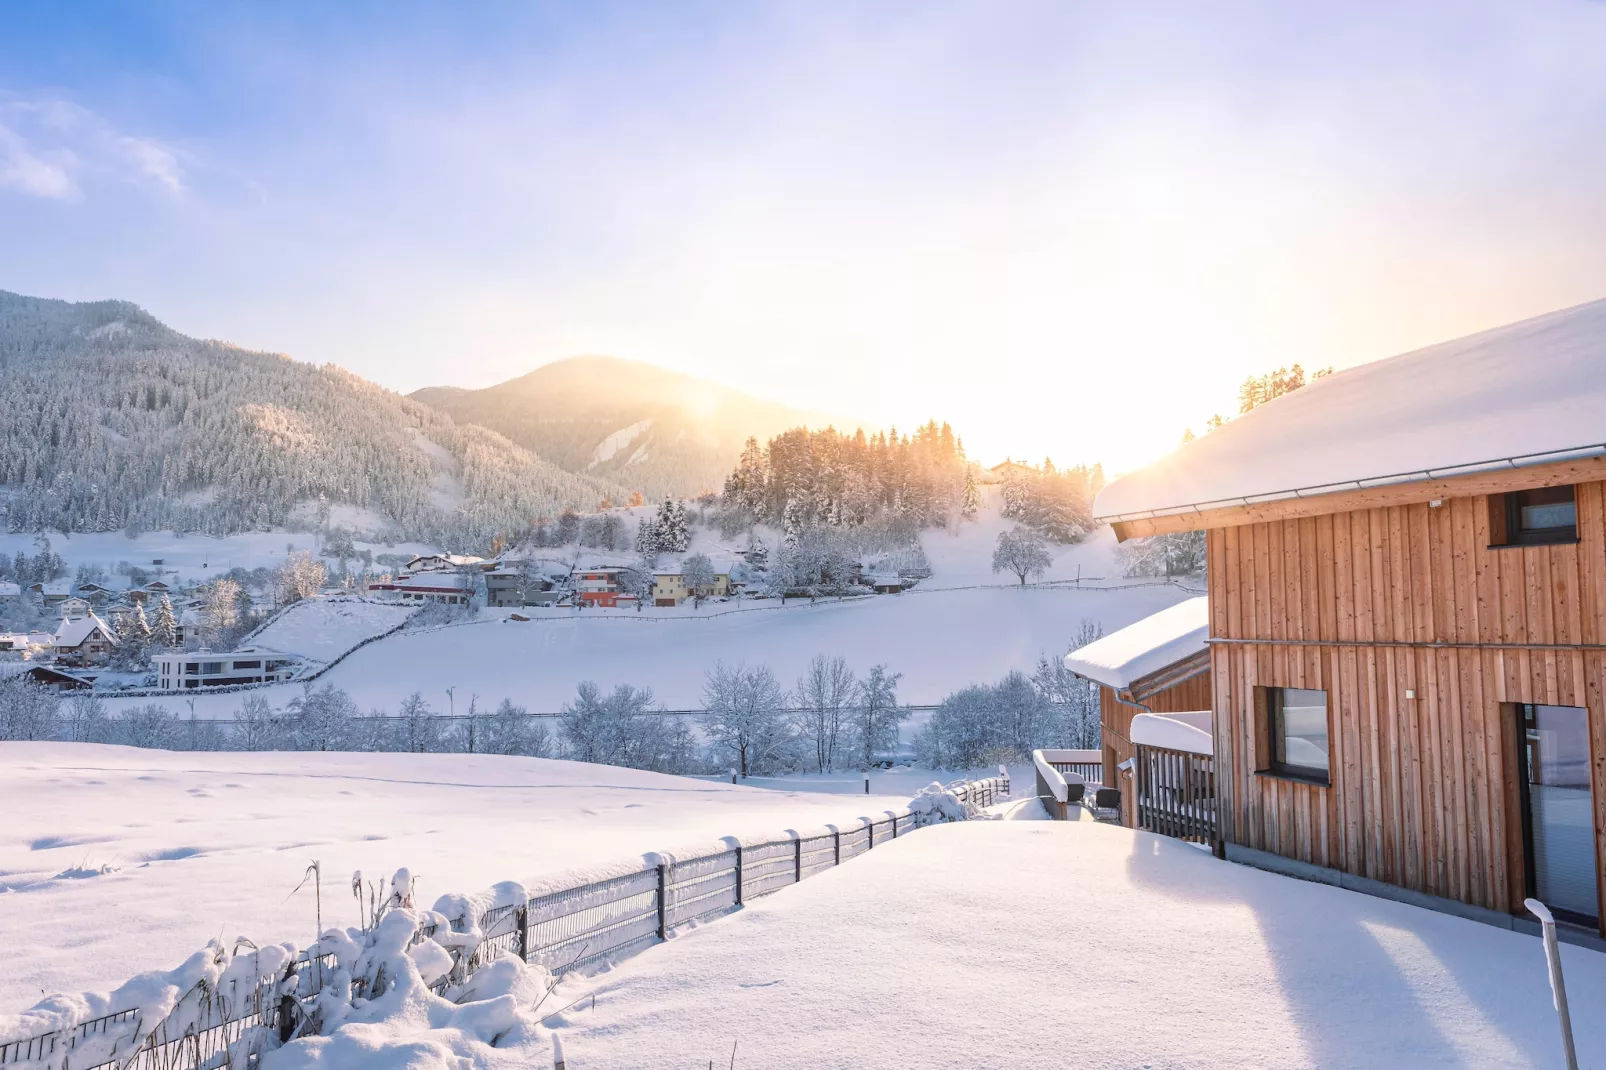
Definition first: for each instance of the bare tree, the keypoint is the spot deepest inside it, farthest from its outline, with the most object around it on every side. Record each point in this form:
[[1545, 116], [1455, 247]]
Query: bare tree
[[744, 718], [825, 692], [697, 571], [1023, 552], [301, 576]]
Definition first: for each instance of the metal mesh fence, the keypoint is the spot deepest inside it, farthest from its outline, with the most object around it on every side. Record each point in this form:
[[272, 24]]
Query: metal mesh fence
[[562, 930]]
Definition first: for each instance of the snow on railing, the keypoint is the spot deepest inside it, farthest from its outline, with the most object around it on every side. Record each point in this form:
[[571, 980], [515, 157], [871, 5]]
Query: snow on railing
[[224, 1008]]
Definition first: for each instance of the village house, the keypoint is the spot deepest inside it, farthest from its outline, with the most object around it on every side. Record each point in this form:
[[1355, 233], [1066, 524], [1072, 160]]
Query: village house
[[604, 585], [1407, 595], [52, 592], [445, 588], [508, 586], [444, 562], [10, 592], [669, 586], [84, 640]]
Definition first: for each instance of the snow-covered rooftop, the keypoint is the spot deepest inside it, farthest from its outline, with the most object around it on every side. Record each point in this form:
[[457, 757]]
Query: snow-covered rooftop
[[1526, 393], [1121, 658], [434, 581], [73, 632]]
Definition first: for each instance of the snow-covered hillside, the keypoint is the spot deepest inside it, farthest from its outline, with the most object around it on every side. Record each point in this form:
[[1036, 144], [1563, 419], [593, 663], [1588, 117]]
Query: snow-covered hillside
[[322, 629], [131, 859]]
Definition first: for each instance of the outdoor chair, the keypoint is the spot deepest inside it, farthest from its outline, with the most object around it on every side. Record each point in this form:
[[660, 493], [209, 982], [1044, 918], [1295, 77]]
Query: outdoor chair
[[1106, 804]]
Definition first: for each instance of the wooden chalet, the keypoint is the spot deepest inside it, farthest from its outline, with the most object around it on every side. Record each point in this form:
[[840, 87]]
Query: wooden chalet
[[1160, 665], [1407, 631]]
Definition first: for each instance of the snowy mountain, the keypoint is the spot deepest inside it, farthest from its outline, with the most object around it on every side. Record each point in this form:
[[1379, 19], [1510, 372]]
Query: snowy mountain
[[114, 421], [654, 430]]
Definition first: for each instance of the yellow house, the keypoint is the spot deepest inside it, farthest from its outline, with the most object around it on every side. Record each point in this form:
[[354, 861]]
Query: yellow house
[[669, 586]]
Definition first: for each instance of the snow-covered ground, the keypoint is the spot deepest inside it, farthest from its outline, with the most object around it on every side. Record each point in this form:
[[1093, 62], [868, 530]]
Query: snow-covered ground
[[322, 629], [1035, 943], [120, 860]]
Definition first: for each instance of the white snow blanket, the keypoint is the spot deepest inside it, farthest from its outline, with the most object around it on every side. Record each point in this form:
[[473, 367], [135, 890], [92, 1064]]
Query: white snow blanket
[[1527, 392], [1079, 944], [1164, 638], [322, 629], [122, 861], [1175, 731], [941, 641]]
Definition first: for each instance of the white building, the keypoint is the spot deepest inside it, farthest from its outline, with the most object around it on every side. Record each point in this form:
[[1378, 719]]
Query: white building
[[183, 671], [450, 588], [442, 562], [83, 640], [10, 592]]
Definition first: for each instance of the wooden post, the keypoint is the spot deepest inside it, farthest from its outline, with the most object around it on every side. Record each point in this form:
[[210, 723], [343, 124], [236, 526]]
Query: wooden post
[[867, 783], [836, 834], [663, 901], [797, 860], [557, 1053], [738, 874], [523, 915]]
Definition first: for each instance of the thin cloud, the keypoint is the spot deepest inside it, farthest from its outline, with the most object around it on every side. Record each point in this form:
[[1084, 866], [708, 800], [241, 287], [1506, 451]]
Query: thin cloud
[[35, 173], [54, 148]]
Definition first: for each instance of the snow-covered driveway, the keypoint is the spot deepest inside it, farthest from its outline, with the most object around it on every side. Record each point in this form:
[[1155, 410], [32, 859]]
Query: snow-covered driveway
[[1035, 943]]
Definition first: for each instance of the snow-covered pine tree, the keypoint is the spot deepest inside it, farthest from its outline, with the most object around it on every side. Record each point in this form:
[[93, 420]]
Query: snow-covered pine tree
[[673, 527], [970, 501], [164, 635], [647, 537]]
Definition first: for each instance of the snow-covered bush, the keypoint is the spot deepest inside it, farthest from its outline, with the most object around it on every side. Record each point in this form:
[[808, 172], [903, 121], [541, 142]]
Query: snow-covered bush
[[935, 803]]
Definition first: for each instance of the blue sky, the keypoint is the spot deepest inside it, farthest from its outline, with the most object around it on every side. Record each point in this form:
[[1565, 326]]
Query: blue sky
[[1068, 228]]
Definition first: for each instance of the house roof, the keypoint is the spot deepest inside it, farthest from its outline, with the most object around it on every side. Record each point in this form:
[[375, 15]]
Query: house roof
[[434, 581], [1523, 394], [9, 590], [1122, 658], [74, 632]]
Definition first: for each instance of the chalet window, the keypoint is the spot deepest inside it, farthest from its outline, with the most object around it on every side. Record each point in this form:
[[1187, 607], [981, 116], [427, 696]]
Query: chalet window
[[1296, 734], [1535, 517]]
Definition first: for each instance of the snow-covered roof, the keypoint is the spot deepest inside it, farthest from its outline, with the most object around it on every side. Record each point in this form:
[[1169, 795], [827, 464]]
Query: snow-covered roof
[[1527, 393], [434, 581], [10, 590], [73, 632], [1122, 658], [447, 560], [1174, 731]]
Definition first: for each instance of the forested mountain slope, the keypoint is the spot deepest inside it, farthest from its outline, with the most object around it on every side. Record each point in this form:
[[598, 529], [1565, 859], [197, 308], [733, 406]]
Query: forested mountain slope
[[112, 420], [654, 430]]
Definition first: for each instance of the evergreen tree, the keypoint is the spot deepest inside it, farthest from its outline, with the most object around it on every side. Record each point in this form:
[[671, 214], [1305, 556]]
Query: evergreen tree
[[970, 500], [672, 527], [165, 634]]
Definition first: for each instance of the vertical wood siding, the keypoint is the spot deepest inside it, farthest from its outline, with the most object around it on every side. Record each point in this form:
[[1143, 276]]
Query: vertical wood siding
[[1424, 791]]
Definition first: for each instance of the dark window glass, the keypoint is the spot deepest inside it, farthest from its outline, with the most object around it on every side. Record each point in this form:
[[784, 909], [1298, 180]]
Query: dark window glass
[[1542, 515], [1298, 732]]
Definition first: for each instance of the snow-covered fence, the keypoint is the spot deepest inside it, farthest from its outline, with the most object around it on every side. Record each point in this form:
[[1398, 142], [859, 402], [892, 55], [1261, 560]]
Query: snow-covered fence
[[223, 1009]]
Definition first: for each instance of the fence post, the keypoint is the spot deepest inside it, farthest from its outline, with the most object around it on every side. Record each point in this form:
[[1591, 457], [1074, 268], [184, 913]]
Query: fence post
[[1558, 987], [836, 834], [867, 783], [524, 931], [797, 859], [663, 901], [738, 874]]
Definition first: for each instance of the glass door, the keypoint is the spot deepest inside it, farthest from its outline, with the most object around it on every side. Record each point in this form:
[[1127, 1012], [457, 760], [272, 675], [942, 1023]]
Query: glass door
[[1558, 814]]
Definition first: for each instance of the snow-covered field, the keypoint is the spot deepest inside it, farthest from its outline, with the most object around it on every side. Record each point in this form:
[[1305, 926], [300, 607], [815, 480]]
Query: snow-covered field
[[120, 860], [1033, 943], [940, 641], [322, 629]]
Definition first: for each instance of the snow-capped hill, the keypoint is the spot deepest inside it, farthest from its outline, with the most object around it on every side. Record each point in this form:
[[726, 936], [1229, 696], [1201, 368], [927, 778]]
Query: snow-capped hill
[[115, 421], [654, 430]]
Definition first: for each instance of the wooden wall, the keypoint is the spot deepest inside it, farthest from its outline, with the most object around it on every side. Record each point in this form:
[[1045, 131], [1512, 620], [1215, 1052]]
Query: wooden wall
[[1115, 724], [1424, 791]]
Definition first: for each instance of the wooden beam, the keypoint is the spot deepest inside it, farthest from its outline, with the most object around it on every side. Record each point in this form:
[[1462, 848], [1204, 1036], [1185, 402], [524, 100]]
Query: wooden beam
[[1476, 484]]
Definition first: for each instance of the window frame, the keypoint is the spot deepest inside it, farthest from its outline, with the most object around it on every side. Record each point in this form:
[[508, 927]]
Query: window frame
[[1505, 520], [1269, 703]]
